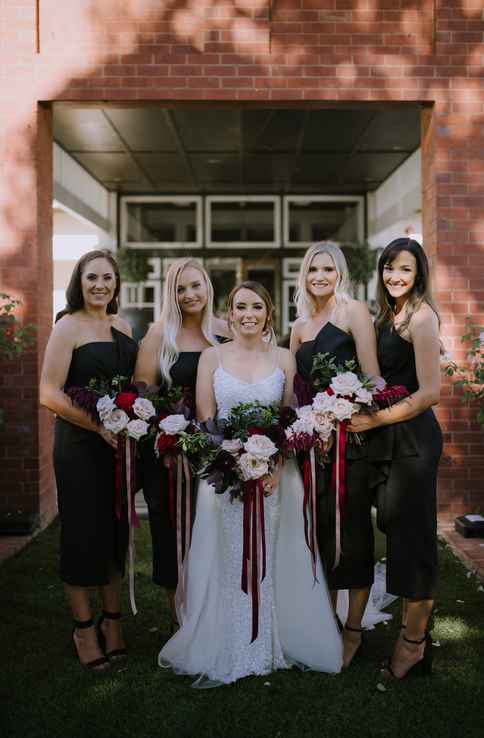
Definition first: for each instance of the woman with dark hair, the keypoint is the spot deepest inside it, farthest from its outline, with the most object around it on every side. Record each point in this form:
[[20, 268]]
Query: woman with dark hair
[[406, 451], [89, 341], [295, 620]]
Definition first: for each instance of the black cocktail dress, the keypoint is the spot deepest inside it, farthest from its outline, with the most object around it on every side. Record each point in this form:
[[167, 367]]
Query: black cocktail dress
[[356, 567], [155, 486], [405, 458], [93, 541]]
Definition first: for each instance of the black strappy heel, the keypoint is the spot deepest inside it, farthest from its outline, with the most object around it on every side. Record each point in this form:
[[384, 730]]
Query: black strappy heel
[[422, 667], [117, 653], [95, 664]]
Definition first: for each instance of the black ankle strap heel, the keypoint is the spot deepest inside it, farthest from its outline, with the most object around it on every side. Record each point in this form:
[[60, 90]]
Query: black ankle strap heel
[[117, 653], [99, 664]]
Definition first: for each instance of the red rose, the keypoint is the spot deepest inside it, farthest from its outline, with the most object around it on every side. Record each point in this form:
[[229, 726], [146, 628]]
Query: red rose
[[166, 442], [125, 401], [255, 431]]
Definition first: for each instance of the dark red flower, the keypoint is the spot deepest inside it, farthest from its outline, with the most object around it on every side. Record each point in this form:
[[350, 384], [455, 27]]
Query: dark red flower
[[253, 430], [125, 401], [166, 442]]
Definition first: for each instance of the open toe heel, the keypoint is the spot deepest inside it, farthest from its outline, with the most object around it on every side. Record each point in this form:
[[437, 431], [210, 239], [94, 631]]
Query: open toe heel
[[99, 664], [116, 653]]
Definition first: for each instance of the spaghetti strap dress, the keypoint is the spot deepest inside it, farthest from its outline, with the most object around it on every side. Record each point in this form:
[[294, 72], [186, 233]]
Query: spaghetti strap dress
[[404, 465], [93, 541], [356, 567], [155, 486]]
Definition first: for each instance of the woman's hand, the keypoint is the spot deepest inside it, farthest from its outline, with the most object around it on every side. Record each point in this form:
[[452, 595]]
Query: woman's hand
[[109, 437], [270, 482], [361, 422]]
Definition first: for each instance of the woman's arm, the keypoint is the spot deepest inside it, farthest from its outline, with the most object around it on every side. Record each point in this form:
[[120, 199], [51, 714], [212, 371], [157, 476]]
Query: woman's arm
[[206, 405], [287, 362], [295, 339], [424, 332], [57, 359], [147, 367], [363, 332]]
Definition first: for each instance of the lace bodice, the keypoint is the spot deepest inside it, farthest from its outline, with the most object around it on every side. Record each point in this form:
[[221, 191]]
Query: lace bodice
[[231, 391]]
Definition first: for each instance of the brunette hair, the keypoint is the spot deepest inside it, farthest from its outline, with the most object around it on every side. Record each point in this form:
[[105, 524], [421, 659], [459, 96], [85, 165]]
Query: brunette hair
[[421, 290], [260, 290], [74, 298]]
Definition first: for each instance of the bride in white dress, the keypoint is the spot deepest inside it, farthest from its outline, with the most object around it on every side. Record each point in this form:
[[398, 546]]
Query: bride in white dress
[[296, 620]]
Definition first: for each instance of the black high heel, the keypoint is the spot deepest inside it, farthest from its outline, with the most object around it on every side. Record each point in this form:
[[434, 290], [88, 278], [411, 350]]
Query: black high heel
[[358, 651], [95, 664], [422, 667], [117, 653]]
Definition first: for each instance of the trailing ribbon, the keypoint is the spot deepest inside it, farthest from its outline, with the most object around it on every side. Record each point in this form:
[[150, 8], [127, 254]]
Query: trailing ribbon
[[338, 483], [254, 547], [180, 505], [133, 522]]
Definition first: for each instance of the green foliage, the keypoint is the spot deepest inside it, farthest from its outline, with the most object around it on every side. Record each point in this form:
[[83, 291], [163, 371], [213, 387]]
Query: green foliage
[[325, 368], [471, 378], [362, 261], [252, 414], [133, 264], [14, 338]]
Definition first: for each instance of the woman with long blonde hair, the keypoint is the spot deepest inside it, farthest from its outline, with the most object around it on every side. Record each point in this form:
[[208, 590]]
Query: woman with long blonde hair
[[331, 322], [169, 355], [407, 445]]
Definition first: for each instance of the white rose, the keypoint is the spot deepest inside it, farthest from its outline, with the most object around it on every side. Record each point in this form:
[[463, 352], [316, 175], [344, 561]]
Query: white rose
[[252, 467], [104, 406], [143, 408], [303, 425], [481, 338], [116, 421], [174, 424], [304, 412], [137, 428], [364, 396], [323, 425], [346, 383], [323, 403], [260, 446], [343, 409], [232, 446]]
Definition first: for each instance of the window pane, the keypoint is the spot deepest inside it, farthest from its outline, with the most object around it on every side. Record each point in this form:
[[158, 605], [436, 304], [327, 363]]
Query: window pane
[[311, 221], [161, 222], [251, 222]]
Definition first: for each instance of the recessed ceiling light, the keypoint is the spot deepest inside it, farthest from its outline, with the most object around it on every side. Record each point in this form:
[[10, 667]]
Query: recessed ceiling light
[[214, 161]]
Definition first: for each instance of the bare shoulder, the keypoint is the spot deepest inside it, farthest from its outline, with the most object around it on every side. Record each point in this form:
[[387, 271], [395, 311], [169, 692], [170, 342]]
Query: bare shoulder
[[209, 356], [356, 308], [123, 325], [298, 327], [220, 328], [285, 357], [154, 333], [67, 328], [424, 319]]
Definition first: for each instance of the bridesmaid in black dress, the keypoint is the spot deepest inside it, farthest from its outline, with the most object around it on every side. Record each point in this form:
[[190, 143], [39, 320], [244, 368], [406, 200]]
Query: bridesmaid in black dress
[[169, 355], [334, 323], [407, 449], [89, 341]]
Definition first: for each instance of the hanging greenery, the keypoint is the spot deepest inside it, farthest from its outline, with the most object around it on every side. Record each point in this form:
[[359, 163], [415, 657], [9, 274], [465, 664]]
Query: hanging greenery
[[133, 264]]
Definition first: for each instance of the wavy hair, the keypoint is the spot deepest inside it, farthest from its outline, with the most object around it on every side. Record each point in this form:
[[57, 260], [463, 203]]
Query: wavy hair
[[421, 291], [305, 303], [74, 298], [259, 289], [171, 317]]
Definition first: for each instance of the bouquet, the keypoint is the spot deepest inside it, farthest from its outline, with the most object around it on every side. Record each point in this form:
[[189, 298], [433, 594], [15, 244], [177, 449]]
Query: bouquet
[[243, 450]]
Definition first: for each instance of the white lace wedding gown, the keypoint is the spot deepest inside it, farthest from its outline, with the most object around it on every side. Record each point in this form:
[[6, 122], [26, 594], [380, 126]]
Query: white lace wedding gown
[[296, 620]]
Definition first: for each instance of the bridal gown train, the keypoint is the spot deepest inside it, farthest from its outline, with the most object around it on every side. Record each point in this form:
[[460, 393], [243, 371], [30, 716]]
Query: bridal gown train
[[296, 620]]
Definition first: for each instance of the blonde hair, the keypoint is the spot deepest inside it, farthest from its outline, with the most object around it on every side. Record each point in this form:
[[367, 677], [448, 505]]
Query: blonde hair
[[259, 289], [421, 290], [305, 303], [171, 317]]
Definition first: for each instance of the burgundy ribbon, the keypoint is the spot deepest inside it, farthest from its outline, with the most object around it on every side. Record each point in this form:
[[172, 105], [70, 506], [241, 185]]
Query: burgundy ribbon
[[338, 483], [180, 493], [309, 507], [254, 547]]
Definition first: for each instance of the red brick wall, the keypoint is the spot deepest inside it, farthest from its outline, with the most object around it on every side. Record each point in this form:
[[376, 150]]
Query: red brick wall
[[299, 52]]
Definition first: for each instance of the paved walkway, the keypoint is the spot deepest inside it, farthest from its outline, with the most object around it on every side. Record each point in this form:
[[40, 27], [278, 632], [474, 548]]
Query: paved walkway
[[469, 550]]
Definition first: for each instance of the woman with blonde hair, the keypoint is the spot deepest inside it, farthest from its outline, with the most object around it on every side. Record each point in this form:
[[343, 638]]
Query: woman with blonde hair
[[331, 322], [407, 449], [295, 620], [169, 355]]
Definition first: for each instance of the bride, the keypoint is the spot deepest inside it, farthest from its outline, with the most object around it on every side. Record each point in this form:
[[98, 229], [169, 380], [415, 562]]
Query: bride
[[296, 620]]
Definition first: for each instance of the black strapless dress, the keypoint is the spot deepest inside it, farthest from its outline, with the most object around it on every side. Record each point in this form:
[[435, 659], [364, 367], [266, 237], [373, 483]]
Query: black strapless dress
[[356, 567], [93, 541], [404, 460], [155, 487]]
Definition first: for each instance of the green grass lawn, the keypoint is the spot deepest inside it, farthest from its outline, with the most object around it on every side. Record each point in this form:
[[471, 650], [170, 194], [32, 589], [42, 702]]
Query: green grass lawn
[[44, 692]]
